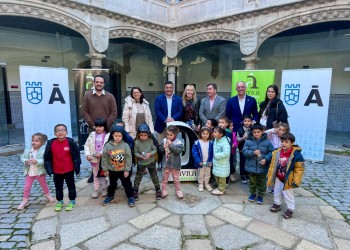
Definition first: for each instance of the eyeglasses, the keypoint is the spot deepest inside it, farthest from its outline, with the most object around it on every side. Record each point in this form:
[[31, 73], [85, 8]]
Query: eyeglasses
[[60, 130]]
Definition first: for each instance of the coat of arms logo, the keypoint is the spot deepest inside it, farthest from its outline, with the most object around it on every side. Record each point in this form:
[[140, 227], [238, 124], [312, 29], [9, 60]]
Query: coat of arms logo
[[291, 94], [34, 92]]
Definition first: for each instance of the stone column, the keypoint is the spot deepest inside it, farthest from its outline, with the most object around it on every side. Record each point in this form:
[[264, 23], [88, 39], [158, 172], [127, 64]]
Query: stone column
[[250, 62], [96, 60], [172, 64]]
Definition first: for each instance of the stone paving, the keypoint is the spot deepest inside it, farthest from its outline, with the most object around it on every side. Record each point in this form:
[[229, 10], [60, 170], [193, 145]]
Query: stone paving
[[15, 226], [199, 221]]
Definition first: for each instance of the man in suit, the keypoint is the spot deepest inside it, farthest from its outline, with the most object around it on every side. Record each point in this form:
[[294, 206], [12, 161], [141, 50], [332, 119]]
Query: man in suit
[[168, 108], [213, 106], [241, 105]]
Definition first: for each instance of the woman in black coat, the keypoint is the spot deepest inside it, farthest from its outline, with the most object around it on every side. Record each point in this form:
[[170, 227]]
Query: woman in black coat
[[272, 109], [191, 107]]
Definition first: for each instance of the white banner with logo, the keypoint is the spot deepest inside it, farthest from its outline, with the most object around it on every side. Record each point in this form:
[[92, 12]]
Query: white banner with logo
[[305, 93], [45, 100]]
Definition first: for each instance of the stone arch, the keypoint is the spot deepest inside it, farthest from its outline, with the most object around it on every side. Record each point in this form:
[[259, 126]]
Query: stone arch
[[336, 13], [48, 14], [208, 36], [119, 32]]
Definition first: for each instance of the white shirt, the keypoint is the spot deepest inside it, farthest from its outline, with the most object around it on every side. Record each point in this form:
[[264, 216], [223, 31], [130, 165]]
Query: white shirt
[[241, 103], [205, 149], [169, 103]]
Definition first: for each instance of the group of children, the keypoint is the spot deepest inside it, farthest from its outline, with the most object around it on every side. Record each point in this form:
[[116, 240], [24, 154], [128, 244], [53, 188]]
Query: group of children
[[263, 155], [269, 159]]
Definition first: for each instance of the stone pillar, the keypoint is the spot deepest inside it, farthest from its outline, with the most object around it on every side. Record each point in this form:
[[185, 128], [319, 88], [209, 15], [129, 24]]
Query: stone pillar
[[172, 64], [96, 60], [251, 62]]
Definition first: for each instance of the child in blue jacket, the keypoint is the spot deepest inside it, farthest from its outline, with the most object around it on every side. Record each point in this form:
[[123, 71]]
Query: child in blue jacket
[[202, 152]]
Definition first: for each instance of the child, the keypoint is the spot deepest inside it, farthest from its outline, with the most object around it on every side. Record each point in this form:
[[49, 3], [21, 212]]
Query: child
[[33, 160], [257, 150], [116, 163], [171, 160], [93, 151], [224, 122], [62, 159], [274, 134], [145, 151], [285, 173], [221, 161], [242, 136], [211, 124], [202, 151]]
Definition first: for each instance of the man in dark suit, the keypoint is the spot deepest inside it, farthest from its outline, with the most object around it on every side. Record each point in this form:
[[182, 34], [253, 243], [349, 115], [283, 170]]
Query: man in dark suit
[[168, 108], [213, 106], [241, 105]]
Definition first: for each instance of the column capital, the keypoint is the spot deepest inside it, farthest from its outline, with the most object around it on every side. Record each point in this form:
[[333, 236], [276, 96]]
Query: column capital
[[250, 62], [96, 60], [176, 61]]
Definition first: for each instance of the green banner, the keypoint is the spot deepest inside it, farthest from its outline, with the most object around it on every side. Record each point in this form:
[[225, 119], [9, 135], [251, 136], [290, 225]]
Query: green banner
[[257, 82]]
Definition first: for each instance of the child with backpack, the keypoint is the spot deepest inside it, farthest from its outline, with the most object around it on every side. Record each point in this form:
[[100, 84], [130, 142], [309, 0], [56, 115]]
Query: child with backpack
[[145, 151]]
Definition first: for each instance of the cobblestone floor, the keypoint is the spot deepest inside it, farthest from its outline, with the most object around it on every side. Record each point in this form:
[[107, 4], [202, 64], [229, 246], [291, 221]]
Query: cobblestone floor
[[328, 181], [15, 225]]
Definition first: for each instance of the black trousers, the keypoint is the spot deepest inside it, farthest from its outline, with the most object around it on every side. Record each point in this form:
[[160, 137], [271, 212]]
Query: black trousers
[[59, 179], [113, 178]]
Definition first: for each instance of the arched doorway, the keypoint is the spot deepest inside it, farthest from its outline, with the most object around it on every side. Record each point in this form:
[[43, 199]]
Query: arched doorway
[[34, 42], [322, 45], [206, 62], [134, 62]]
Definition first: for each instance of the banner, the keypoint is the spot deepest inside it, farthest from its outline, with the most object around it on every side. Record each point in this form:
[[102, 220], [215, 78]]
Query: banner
[[83, 82], [257, 82], [305, 94], [45, 100]]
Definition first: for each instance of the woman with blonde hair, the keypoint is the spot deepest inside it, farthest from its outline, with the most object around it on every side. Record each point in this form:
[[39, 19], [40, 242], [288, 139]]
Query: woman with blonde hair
[[191, 107]]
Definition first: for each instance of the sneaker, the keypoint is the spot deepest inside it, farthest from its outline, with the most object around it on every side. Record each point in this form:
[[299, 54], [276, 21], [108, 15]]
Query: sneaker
[[179, 194], [244, 179], [217, 192], [158, 195], [232, 178], [164, 194], [275, 208], [94, 194], [104, 193], [252, 197], [200, 188], [131, 201], [260, 200], [107, 200], [70, 206], [271, 191], [208, 187], [136, 195], [50, 198], [288, 214], [59, 206], [24, 204], [91, 178]]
